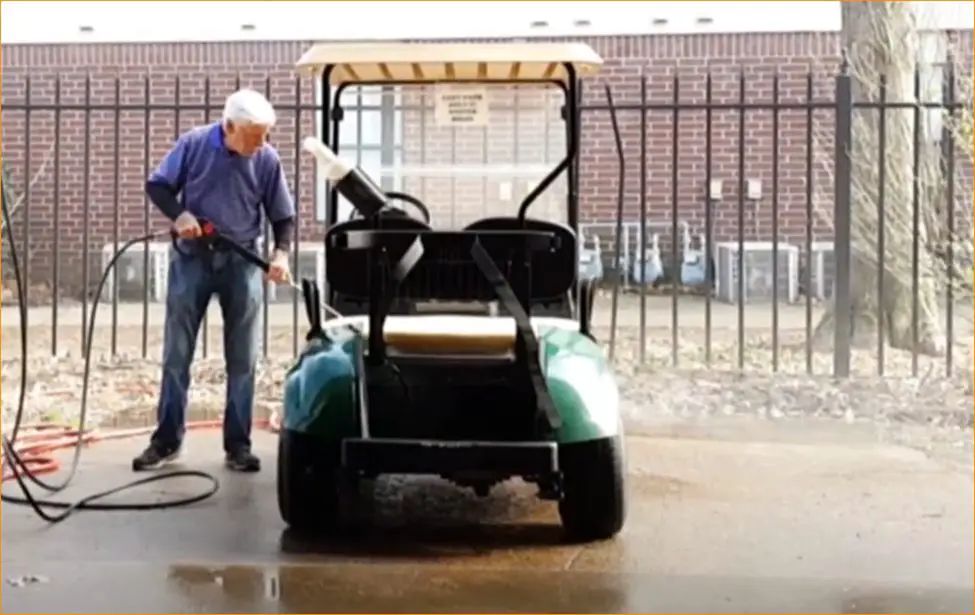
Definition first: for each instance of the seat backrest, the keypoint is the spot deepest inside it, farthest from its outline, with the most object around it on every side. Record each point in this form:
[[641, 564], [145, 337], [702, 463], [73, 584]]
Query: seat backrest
[[348, 271], [553, 272], [446, 271]]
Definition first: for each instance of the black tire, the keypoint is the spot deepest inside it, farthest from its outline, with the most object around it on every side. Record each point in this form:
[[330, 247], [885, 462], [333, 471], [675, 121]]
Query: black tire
[[308, 483], [593, 504]]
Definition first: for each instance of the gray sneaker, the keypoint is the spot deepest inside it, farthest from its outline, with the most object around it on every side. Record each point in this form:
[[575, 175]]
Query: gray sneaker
[[155, 457], [242, 460]]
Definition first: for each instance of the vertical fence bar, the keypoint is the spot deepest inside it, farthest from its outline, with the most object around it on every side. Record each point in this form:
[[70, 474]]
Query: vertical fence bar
[[297, 199], [85, 215], [674, 213], [116, 205], [267, 251], [146, 208], [881, 223], [26, 200], [916, 226], [708, 212], [620, 194], [56, 244], [741, 221], [810, 111], [948, 164], [643, 213], [775, 223], [207, 117], [841, 215]]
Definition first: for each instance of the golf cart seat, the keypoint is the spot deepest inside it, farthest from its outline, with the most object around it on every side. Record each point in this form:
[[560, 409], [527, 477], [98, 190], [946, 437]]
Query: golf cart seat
[[348, 273], [446, 271], [557, 267]]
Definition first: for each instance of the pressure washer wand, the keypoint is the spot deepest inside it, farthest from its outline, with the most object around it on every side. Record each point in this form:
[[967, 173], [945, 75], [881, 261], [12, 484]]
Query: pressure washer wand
[[214, 238]]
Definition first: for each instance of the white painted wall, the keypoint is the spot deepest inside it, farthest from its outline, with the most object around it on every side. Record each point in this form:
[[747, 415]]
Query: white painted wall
[[61, 22]]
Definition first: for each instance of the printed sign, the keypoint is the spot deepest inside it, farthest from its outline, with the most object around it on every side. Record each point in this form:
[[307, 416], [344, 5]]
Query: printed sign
[[460, 106]]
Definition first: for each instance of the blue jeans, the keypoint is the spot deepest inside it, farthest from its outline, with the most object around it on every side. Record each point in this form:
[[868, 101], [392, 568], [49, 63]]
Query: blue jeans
[[193, 280]]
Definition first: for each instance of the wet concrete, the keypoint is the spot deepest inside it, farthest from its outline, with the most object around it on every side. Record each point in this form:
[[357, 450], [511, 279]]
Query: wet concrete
[[741, 520]]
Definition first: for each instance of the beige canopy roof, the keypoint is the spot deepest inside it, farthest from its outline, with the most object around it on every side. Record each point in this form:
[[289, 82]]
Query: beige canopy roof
[[405, 62]]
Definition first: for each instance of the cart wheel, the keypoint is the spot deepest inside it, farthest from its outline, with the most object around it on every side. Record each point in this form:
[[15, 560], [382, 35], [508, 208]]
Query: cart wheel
[[308, 482], [593, 505]]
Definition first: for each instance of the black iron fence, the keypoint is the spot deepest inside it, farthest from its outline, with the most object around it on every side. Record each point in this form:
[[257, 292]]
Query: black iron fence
[[796, 215]]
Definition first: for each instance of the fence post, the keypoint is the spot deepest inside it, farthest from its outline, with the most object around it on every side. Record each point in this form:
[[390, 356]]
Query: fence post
[[842, 306]]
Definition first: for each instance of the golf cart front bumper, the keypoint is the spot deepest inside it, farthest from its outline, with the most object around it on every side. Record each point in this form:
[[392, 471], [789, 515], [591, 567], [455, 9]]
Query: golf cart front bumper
[[399, 456]]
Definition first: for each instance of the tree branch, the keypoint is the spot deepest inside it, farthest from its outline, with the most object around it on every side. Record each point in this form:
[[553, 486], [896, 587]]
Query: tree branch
[[19, 201]]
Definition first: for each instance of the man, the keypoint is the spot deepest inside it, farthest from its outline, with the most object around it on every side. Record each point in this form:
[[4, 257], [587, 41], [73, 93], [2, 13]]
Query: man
[[228, 174]]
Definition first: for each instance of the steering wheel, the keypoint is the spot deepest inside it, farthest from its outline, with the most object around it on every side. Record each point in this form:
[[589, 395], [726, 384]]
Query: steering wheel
[[406, 198]]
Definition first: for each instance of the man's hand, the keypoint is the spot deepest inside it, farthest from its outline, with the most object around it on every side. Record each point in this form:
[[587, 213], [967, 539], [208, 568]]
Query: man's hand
[[187, 226], [280, 270]]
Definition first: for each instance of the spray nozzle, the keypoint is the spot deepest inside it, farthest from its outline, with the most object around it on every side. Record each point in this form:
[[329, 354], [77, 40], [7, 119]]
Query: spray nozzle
[[332, 166]]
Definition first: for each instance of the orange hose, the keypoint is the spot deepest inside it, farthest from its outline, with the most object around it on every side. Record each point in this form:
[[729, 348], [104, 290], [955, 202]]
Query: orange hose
[[36, 444]]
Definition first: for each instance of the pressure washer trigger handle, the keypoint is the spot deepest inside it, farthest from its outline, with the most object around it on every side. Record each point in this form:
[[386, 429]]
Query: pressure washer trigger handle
[[207, 231]]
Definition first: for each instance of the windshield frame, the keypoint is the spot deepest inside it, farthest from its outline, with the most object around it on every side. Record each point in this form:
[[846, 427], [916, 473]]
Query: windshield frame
[[332, 114]]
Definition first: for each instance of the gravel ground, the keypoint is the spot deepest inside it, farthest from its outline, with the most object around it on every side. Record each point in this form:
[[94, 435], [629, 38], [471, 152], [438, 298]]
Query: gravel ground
[[929, 411]]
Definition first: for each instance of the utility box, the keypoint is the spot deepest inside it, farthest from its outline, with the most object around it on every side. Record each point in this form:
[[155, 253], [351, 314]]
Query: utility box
[[131, 279], [757, 272], [822, 270]]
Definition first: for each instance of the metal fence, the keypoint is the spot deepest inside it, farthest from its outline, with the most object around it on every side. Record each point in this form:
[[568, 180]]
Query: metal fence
[[801, 197]]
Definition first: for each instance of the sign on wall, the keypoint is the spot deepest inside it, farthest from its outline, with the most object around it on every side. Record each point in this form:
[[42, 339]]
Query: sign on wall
[[460, 106]]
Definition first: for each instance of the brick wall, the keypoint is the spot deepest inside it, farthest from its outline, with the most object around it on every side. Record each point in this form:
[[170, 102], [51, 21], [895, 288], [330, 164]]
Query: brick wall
[[99, 186]]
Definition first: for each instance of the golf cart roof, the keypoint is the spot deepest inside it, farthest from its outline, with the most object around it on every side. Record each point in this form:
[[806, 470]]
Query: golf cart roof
[[445, 62]]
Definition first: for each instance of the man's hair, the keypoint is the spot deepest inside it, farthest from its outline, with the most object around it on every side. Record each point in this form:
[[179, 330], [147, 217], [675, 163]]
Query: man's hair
[[245, 107]]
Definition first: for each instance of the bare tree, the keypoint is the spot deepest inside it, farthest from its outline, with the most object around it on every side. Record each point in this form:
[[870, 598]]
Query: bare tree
[[882, 42]]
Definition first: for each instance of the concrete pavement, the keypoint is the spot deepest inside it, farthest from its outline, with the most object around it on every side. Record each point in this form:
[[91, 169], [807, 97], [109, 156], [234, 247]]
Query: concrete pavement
[[755, 518]]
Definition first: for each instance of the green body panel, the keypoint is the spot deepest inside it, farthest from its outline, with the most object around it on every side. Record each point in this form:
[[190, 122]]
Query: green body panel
[[321, 397], [582, 385]]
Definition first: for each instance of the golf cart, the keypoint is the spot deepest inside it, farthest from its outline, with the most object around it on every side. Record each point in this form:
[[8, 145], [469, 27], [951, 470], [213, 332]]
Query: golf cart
[[474, 398]]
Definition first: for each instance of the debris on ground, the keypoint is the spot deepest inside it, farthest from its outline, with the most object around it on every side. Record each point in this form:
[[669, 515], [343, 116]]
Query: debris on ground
[[25, 580]]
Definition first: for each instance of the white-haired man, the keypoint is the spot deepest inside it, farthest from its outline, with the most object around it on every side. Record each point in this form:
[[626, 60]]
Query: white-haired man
[[226, 173]]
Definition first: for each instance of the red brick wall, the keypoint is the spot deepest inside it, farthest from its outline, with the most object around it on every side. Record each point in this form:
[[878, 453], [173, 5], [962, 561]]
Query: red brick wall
[[661, 58]]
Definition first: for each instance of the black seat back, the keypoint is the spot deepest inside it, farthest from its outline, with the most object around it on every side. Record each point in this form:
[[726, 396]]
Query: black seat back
[[553, 273], [446, 271], [348, 271]]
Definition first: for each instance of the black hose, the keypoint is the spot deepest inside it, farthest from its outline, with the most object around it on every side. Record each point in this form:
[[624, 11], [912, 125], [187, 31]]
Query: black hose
[[20, 470]]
